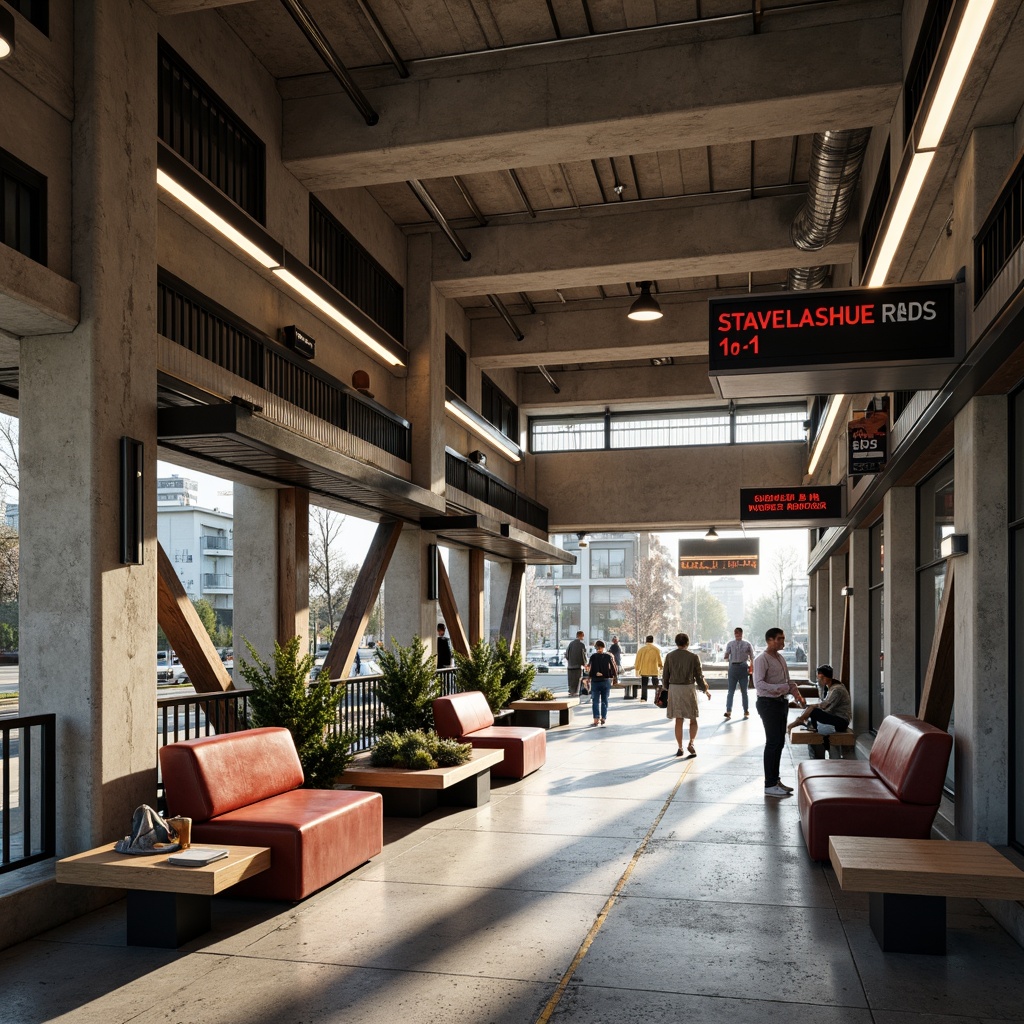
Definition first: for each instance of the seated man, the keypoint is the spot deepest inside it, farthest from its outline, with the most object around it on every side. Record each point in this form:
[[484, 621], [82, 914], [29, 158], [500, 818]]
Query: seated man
[[833, 713]]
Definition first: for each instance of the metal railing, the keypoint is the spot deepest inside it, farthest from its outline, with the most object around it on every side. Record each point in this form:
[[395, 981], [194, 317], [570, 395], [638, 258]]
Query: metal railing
[[28, 819]]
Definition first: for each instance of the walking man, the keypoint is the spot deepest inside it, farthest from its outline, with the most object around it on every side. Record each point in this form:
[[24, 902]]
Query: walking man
[[740, 656], [773, 686], [575, 659], [648, 666]]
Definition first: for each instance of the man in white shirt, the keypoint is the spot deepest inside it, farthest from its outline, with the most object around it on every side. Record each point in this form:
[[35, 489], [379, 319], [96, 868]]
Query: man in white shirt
[[773, 687], [740, 656]]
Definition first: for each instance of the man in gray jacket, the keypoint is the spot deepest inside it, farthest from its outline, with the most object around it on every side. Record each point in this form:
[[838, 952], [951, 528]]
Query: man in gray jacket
[[575, 659]]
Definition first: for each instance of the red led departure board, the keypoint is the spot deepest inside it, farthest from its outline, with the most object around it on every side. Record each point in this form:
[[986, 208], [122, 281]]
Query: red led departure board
[[822, 342]]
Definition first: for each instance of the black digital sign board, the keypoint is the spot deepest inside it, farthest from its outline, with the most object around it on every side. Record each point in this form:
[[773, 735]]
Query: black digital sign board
[[868, 436], [792, 506], [819, 342], [738, 556]]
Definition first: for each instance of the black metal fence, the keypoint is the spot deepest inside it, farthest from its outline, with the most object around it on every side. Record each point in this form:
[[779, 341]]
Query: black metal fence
[[28, 819]]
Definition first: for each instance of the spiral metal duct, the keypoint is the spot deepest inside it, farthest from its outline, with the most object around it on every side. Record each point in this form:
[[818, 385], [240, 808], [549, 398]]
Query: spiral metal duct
[[836, 160]]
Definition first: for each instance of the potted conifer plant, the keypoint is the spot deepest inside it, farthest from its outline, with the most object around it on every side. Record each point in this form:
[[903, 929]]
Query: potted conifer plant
[[407, 687], [281, 697], [483, 671]]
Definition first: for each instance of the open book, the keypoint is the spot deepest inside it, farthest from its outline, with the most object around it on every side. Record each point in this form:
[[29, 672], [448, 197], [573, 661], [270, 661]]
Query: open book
[[196, 857]]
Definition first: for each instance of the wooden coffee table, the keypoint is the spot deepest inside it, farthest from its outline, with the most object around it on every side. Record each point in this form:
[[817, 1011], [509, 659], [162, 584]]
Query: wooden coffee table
[[167, 905], [909, 880]]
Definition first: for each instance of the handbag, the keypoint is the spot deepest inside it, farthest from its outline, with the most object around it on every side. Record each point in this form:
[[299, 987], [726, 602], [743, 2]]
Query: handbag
[[661, 698]]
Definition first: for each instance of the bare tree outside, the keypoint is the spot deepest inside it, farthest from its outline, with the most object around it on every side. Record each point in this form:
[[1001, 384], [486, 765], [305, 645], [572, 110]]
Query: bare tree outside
[[652, 592], [10, 473], [331, 577], [782, 570], [703, 615]]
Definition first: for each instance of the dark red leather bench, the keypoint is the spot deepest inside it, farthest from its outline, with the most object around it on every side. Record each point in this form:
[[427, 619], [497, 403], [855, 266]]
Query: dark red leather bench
[[467, 718], [242, 788], [895, 794]]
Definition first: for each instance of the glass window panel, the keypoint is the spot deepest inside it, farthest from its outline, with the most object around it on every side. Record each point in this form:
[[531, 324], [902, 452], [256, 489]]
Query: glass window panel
[[1017, 773], [669, 430], [762, 425], [1017, 512], [935, 513], [567, 435]]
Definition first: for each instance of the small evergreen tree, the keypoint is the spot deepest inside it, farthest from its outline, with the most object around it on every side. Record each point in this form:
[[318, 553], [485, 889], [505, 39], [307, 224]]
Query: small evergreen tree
[[515, 674], [407, 688], [280, 697], [482, 671]]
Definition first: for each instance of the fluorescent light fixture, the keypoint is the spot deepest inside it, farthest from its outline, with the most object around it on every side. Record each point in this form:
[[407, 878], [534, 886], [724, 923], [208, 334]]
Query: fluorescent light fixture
[[835, 404], [954, 71], [197, 206], [495, 440], [911, 188], [336, 315]]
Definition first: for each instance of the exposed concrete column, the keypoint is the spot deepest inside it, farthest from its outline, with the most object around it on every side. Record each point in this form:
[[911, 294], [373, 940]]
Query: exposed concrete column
[[425, 334], [899, 593], [836, 611], [498, 576], [88, 623], [859, 683], [406, 609], [982, 597], [256, 571]]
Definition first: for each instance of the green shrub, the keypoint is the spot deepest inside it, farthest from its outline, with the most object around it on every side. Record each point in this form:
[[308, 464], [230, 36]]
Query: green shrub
[[540, 695], [418, 750], [482, 671], [516, 675], [407, 688], [281, 697]]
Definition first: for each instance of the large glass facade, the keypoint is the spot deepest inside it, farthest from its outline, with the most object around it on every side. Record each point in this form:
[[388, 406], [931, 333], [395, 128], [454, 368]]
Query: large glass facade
[[605, 611]]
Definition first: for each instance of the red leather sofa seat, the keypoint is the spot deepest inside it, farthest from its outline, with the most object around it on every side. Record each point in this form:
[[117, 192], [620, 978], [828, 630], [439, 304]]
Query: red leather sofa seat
[[467, 718], [894, 794], [242, 788]]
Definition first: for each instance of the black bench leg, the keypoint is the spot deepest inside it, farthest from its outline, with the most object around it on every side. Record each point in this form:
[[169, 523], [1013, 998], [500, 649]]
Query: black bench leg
[[471, 792], [408, 803], [909, 924], [166, 919], [563, 717]]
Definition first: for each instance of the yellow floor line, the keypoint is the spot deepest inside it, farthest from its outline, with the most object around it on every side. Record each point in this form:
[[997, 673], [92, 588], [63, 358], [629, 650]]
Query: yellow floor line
[[563, 984]]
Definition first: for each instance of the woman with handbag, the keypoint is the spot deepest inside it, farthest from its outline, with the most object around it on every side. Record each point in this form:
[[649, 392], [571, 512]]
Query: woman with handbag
[[602, 672], [679, 678]]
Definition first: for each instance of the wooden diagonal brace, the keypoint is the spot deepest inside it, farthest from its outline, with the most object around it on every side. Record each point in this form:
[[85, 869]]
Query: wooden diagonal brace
[[937, 688], [450, 610], [513, 602], [339, 658], [180, 621]]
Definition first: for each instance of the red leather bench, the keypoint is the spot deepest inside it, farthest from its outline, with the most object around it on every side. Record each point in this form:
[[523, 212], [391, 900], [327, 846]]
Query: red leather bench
[[895, 794], [242, 788], [467, 718]]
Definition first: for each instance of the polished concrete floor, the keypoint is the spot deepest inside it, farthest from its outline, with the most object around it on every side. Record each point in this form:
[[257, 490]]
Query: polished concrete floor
[[617, 884]]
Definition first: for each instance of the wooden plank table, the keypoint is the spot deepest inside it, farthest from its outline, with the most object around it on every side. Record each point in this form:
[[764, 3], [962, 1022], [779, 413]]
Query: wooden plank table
[[409, 793], [167, 905], [909, 880], [537, 713]]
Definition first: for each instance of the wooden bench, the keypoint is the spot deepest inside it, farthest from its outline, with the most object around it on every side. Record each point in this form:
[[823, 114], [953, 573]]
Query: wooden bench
[[538, 712], [909, 880], [167, 905], [410, 794], [837, 740]]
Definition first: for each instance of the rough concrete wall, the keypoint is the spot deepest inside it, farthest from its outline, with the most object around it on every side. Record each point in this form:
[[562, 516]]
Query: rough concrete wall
[[660, 488]]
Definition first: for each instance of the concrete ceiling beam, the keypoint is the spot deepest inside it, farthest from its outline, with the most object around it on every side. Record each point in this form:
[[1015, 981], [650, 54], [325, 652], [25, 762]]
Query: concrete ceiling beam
[[189, 6], [630, 243], [643, 387], [688, 86], [591, 335]]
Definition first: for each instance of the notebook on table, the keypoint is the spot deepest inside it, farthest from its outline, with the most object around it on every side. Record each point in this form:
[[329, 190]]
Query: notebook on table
[[196, 857]]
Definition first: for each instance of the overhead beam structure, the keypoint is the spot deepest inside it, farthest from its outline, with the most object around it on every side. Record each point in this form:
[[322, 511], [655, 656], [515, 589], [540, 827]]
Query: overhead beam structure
[[690, 85], [628, 242]]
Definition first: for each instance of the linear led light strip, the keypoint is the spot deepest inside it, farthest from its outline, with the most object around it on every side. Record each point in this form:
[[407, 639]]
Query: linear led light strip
[[484, 436], [182, 194], [954, 71], [835, 404]]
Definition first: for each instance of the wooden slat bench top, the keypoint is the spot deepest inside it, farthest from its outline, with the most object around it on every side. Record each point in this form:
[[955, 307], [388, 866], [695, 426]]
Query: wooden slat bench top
[[104, 866], [361, 773], [543, 705], [837, 739], [924, 867]]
